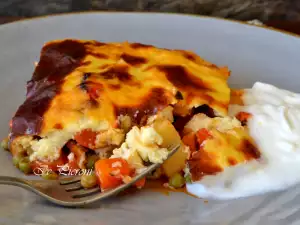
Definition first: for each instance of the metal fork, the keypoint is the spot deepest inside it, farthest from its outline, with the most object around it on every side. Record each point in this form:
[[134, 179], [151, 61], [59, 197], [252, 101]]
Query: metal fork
[[69, 192]]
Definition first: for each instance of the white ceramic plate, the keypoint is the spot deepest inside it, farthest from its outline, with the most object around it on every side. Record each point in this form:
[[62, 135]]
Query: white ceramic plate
[[252, 53]]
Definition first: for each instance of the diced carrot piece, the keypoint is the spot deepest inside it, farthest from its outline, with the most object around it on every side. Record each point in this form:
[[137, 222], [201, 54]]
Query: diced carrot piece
[[86, 138], [190, 141], [110, 172], [202, 135], [243, 117], [140, 183]]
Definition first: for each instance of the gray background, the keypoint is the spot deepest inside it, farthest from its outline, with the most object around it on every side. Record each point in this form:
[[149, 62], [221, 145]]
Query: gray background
[[237, 9]]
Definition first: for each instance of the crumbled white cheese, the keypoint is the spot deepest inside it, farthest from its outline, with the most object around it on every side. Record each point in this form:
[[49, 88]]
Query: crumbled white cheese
[[109, 137], [48, 148], [148, 136], [141, 145], [130, 155], [149, 150], [223, 124]]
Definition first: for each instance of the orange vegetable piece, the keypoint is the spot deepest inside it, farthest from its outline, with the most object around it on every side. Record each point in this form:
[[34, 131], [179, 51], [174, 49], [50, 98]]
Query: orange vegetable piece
[[140, 183], [86, 138], [243, 117], [190, 141], [110, 172], [202, 135]]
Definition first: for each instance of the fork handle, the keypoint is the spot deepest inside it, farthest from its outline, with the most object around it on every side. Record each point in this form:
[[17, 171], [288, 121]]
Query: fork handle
[[13, 181]]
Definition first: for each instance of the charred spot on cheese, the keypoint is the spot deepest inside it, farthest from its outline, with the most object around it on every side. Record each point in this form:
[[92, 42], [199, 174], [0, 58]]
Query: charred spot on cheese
[[114, 86], [133, 60], [155, 101], [181, 121], [83, 82], [86, 76], [93, 103], [57, 60], [178, 95], [119, 72], [36, 137], [249, 150], [181, 79], [205, 109], [189, 55]]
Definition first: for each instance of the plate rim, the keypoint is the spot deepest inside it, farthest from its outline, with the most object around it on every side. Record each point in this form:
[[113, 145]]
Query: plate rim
[[95, 12]]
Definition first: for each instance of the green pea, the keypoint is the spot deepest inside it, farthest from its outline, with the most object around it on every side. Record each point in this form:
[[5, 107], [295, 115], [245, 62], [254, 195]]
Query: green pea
[[177, 180], [188, 179], [88, 181], [92, 159], [50, 176], [24, 165], [4, 144], [16, 160]]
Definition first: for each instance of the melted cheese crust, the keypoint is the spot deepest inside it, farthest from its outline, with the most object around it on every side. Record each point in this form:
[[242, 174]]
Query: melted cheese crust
[[81, 84], [127, 76]]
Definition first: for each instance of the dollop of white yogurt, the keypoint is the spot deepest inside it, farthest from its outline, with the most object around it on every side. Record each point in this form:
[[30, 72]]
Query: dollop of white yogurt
[[275, 127]]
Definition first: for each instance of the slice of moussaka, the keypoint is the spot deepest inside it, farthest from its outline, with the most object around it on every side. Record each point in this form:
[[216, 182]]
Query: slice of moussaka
[[111, 107]]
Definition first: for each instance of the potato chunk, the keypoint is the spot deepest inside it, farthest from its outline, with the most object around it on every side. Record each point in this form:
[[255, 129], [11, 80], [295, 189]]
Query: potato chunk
[[177, 162]]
